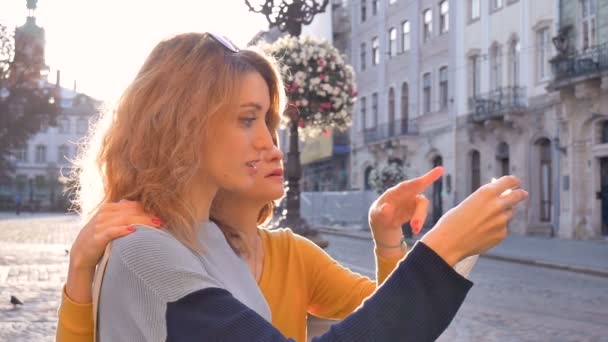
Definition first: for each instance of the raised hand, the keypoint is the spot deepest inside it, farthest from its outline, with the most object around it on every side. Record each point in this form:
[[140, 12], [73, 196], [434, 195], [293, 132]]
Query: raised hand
[[478, 223], [402, 203]]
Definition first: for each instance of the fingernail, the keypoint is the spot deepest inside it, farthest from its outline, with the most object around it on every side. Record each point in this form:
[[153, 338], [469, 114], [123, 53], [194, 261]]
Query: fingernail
[[131, 228], [415, 224], [157, 222]]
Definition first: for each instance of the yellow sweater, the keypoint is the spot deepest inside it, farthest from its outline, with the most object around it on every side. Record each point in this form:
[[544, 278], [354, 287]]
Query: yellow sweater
[[298, 278]]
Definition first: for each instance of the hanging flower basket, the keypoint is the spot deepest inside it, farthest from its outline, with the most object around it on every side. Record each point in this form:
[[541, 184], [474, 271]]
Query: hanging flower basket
[[320, 84]]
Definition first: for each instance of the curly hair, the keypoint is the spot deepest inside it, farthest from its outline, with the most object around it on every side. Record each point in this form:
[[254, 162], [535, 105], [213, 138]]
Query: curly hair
[[147, 149]]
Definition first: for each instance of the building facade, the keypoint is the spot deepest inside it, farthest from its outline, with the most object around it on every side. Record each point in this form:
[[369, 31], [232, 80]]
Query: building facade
[[506, 119], [41, 164], [401, 50], [580, 78], [475, 86]]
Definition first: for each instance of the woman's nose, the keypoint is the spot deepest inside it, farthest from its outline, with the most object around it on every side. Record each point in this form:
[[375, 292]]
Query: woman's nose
[[273, 154]]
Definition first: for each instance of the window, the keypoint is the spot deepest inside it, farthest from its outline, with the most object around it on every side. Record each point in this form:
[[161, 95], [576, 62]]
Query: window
[[604, 133], [363, 10], [426, 91], [392, 42], [375, 51], [363, 105], [495, 67], [475, 171], [474, 9], [64, 125], [496, 5], [502, 157], [544, 150], [443, 87], [40, 154], [405, 36], [367, 183], [391, 2], [375, 6], [363, 56], [444, 17], [63, 153], [21, 154], [405, 104], [474, 67], [514, 50], [588, 34], [391, 112], [427, 29], [40, 182], [374, 110], [81, 126], [543, 53]]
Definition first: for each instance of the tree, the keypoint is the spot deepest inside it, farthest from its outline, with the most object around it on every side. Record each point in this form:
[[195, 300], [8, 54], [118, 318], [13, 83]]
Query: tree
[[27, 101], [321, 93]]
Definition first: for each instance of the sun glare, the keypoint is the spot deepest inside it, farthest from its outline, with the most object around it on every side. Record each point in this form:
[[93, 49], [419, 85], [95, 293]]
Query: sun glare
[[102, 44]]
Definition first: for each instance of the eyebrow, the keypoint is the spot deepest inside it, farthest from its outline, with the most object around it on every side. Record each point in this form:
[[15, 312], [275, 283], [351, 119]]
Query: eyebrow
[[251, 105]]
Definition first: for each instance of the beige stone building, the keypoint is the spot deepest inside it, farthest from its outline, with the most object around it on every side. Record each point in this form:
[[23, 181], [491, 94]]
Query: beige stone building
[[470, 85]]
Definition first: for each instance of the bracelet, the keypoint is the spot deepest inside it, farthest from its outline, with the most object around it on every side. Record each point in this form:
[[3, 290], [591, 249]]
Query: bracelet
[[402, 245]]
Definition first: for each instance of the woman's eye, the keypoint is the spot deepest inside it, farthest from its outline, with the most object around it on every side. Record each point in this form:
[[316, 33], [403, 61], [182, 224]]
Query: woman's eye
[[248, 121]]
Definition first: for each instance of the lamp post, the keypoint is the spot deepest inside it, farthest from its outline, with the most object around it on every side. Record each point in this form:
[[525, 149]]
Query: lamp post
[[289, 16]]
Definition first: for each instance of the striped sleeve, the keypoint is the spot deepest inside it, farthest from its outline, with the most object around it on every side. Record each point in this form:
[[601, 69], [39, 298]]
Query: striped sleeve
[[416, 303]]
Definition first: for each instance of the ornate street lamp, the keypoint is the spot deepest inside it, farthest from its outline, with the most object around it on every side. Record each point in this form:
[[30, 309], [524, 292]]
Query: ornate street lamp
[[289, 16]]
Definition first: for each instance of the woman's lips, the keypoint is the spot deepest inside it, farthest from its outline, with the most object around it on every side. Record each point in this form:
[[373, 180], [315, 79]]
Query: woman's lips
[[276, 173]]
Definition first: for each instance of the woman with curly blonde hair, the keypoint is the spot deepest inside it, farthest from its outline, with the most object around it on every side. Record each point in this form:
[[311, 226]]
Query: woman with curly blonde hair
[[199, 119]]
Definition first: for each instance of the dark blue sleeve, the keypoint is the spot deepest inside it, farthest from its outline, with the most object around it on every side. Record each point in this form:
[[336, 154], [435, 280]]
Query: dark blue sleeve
[[416, 303]]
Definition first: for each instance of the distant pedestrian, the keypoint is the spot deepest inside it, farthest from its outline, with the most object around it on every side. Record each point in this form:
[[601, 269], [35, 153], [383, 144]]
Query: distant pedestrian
[[18, 204]]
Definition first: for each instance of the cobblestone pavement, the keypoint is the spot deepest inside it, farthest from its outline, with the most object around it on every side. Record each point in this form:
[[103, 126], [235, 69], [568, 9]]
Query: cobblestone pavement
[[33, 267], [510, 301]]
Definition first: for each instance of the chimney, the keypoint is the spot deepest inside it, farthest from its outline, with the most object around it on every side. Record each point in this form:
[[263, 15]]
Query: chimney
[[58, 80], [74, 85]]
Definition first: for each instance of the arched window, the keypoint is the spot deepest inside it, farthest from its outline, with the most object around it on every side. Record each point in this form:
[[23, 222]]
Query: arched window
[[502, 157], [368, 170], [475, 170], [514, 51], [405, 103], [391, 112], [495, 67], [545, 185]]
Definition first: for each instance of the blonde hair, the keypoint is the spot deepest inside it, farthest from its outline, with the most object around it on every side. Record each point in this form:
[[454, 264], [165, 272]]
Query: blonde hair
[[148, 148]]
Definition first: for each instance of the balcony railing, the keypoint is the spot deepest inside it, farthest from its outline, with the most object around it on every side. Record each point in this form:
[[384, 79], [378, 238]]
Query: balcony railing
[[497, 103], [581, 63], [389, 130]]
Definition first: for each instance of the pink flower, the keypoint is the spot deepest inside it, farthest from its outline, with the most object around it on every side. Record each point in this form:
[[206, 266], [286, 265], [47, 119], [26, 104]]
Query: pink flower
[[325, 105], [321, 63], [301, 123]]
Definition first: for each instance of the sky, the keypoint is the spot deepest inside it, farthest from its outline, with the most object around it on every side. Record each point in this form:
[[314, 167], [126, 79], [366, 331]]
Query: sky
[[101, 44]]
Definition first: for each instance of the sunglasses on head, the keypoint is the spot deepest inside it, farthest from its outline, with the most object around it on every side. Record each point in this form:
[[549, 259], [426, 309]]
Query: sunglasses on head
[[225, 42]]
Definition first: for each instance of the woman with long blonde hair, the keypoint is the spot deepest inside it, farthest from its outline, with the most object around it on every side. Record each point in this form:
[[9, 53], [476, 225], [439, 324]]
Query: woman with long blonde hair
[[200, 117]]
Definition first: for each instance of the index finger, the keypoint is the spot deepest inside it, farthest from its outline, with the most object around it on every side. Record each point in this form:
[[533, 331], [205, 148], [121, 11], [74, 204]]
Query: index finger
[[505, 183], [419, 184]]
